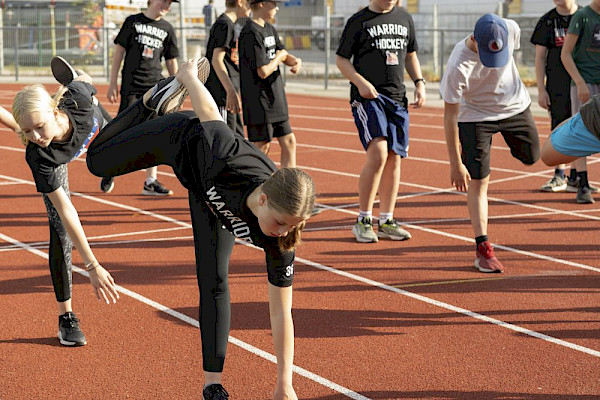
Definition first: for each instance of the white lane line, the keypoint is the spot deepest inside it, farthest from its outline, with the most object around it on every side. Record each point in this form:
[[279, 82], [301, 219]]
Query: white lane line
[[191, 321], [455, 309]]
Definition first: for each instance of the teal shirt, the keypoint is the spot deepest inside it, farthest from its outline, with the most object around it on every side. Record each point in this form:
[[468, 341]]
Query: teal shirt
[[586, 54]]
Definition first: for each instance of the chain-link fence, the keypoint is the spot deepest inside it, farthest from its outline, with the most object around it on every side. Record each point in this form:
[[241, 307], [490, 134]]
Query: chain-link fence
[[31, 36]]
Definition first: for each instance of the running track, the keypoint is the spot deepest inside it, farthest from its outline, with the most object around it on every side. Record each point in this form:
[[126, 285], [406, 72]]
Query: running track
[[407, 320]]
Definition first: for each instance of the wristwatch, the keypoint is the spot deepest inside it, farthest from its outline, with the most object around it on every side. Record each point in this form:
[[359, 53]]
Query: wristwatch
[[419, 80]]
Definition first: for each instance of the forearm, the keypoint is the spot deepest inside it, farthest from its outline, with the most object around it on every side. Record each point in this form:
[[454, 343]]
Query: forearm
[[218, 65], [7, 119], [282, 326], [266, 70], [413, 66], [116, 64], [540, 67], [451, 134], [171, 66]]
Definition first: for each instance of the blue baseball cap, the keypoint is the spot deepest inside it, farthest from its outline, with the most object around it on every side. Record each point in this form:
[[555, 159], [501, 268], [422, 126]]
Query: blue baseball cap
[[491, 35]]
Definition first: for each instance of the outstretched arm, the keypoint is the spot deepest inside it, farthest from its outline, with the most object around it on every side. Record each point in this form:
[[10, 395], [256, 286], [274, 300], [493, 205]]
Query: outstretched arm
[[7, 119], [282, 327], [459, 176], [204, 105], [102, 281]]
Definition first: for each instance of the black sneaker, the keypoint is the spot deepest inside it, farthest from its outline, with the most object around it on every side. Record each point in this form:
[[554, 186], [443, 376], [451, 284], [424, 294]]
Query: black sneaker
[[107, 184], [215, 392], [62, 71], [167, 96], [156, 189], [69, 333]]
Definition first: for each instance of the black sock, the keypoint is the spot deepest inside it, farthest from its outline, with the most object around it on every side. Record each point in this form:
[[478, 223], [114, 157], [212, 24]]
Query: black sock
[[481, 239], [583, 179], [573, 175], [559, 172]]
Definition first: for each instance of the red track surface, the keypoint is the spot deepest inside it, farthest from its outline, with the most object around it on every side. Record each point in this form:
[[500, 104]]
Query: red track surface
[[392, 320]]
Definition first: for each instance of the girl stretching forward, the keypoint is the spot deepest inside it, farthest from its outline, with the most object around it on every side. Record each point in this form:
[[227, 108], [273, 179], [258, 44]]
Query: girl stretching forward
[[235, 191], [56, 131]]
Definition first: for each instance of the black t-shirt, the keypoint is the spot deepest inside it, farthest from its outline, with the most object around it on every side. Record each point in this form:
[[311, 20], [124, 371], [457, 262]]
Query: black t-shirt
[[223, 34], [550, 32], [257, 47], [146, 42], [377, 43], [224, 169], [86, 119]]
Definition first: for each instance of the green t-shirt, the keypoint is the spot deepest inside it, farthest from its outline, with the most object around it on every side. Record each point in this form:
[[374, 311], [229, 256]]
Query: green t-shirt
[[590, 115], [586, 54]]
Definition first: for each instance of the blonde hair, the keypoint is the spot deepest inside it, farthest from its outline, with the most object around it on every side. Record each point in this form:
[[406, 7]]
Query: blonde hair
[[34, 98], [291, 191]]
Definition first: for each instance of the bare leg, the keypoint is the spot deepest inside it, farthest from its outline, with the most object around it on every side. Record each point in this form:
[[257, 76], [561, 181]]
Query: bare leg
[[370, 175], [288, 150], [477, 202], [390, 180]]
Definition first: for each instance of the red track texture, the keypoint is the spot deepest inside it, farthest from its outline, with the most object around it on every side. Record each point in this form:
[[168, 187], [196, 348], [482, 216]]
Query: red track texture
[[391, 320]]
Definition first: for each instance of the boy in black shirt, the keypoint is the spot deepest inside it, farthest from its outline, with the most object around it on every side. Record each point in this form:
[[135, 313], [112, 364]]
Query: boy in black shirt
[[377, 44], [143, 41], [222, 51], [554, 91], [263, 97]]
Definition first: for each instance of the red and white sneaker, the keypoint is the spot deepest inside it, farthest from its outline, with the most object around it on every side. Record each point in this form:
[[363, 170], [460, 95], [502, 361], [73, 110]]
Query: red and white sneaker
[[485, 260]]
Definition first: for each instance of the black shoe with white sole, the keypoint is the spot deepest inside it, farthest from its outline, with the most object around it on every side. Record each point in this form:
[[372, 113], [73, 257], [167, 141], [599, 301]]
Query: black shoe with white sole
[[62, 71], [107, 184], [167, 96], [215, 392], [69, 333]]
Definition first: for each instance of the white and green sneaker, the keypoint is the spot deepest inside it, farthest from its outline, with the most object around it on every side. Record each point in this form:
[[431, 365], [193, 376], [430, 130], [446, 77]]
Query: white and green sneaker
[[363, 231], [391, 230]]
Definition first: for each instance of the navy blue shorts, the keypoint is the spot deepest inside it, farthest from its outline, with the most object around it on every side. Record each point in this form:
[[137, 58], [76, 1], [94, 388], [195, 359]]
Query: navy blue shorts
[[382, 117]]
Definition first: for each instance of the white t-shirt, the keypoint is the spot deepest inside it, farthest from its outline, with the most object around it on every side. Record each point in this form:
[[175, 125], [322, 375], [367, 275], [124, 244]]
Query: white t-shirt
[[484, 94]]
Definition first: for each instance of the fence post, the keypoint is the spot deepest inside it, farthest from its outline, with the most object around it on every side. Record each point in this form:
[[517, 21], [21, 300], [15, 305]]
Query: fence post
[[436, 34], [327, 41], [2, 38], [17, 51], [183, 30]]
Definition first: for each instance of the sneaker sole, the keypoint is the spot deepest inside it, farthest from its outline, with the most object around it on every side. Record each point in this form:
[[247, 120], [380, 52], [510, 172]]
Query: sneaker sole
[[173, 101], [363, 240], [110, 188], [62, 71], [203, 69], [487, 270], [70, 344], [554, 189], [571, 189], [383, 235], [151, 193], [585, 201]]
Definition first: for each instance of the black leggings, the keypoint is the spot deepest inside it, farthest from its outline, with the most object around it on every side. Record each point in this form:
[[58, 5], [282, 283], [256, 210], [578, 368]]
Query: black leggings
[[61, 246], [133, 141]]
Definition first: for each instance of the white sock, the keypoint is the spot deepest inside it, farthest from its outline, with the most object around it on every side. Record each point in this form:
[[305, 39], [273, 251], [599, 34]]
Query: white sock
[[150, 181], [383, 217], [364, 214]]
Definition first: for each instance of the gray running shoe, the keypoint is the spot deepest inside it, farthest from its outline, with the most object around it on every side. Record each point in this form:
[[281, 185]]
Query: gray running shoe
[[156, 189], [391, 230], [555, 184], [363, 231], [69, 333], [584, 195], [167, 96], [573, 186]]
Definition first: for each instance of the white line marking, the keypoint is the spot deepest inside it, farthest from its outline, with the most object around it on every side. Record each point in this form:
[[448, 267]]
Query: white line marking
[[195, 323]]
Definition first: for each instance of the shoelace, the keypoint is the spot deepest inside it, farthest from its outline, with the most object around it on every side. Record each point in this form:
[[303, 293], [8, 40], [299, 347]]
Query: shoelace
[[70, 322], [391, 222], [218, 389], [487, 252]]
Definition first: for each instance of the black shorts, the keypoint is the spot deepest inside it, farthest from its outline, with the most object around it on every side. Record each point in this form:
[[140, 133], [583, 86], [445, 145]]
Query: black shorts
[[266, 132], [519, 132]]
